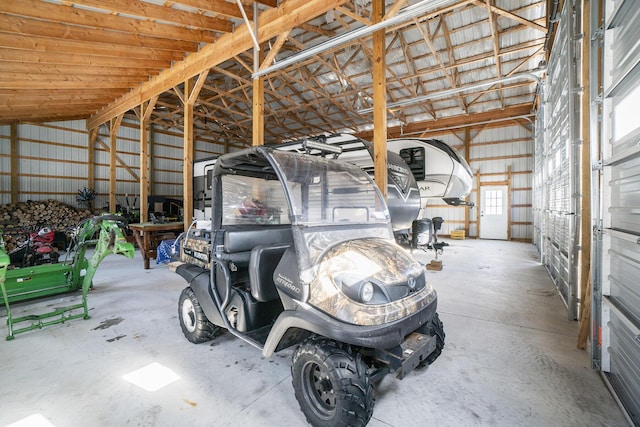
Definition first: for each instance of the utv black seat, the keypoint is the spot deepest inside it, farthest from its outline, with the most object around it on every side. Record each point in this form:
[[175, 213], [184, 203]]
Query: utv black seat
[[263, 262], [240, 240]]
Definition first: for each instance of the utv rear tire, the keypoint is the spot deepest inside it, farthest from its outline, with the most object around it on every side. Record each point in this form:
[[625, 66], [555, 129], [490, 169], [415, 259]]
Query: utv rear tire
[[331, 385], [194, 323], [434, 328]]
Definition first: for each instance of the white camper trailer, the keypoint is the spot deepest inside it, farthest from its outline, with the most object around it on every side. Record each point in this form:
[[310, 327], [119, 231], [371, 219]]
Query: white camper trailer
[[418, 169], [439, 171]]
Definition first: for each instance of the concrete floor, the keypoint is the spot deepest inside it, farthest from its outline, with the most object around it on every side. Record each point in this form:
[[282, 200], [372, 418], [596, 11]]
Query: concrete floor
[[510, 357]]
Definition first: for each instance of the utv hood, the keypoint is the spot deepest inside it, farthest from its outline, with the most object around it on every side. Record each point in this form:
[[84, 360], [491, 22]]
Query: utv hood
[[369, 282]]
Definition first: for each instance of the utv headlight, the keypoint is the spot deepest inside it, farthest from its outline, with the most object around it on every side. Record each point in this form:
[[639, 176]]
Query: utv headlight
[[366, 292]]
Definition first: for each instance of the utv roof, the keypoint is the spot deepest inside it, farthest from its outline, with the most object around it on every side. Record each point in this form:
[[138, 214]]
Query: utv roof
[[250, 161]]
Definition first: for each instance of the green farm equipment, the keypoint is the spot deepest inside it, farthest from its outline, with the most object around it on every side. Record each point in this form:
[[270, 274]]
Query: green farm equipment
[[70, 274]]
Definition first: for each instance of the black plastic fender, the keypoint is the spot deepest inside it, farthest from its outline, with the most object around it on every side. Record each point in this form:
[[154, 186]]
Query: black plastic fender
[[198, 279], [307, 318]]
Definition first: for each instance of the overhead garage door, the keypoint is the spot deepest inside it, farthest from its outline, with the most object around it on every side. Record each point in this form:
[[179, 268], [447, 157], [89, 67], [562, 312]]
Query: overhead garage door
[[617, 248], [556, 166]]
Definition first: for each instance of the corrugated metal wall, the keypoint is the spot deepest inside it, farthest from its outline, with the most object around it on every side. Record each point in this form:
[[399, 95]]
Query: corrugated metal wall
[[617, 246], [53, 162], [54, 156], [492, 153]]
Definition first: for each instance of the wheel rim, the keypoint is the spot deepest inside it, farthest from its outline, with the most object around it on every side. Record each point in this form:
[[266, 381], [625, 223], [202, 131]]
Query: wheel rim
[[189, 315], [318, 390]]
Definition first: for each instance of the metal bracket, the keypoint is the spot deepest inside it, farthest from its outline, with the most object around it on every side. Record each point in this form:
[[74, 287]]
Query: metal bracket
[[598, 35], [597, 166]]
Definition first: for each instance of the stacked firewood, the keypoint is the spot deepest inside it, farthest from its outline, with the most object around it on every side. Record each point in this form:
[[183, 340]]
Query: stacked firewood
[[19, 219]]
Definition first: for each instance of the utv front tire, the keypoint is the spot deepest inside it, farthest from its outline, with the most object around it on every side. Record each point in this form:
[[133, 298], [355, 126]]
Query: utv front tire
[[331, 385], [194, 323], [434, 328]]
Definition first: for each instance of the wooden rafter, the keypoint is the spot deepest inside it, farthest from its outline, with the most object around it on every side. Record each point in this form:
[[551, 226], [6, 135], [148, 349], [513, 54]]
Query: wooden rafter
[[271, 23], [447, 72], [65, 14], [495, 35], [397, 131], [36, 27], [157, 12]]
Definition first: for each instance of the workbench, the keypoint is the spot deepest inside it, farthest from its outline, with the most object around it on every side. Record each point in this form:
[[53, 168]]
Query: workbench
[[149, 235]]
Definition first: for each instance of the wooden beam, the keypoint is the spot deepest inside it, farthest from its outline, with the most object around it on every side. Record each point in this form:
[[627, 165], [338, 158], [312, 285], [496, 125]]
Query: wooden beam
[[379, 100], [40, 117], [268, 60], [197, 87], [517, 18], [495, 35], [27, 56], [36, 27], [164, 13], [412, 128], [75, 16], [353, 15], [220, 7], [271, 23], [114, 125], [393, 10], [63, 70], [15, 180], [47, 44]]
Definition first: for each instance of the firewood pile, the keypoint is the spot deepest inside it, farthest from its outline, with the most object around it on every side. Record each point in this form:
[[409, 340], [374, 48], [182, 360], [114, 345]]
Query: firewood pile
[[20, 219]]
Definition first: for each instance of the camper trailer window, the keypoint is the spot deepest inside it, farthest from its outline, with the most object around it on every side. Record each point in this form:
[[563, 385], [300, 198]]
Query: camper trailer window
[[209, 179], [415, 159]]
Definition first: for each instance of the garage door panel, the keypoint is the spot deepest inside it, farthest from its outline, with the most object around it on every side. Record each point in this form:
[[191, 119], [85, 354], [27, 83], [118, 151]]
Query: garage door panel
[[617, 252], [624, 354], [624, 187], [623, 274]]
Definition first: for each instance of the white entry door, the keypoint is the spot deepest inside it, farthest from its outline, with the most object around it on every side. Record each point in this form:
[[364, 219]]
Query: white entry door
[[494, 218]]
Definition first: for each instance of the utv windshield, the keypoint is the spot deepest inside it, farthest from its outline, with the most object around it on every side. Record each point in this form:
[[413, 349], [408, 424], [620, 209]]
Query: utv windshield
[[331, 202]]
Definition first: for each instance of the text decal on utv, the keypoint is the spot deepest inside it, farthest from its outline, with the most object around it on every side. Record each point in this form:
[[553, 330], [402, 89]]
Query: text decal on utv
[[301, 252]]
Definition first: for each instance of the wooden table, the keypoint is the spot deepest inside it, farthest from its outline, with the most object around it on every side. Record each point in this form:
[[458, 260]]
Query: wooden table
[[149, 235]]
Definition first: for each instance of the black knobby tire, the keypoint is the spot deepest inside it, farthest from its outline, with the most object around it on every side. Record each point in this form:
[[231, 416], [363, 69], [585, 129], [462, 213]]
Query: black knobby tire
[[331, 385], [434, 328], [194, 323]]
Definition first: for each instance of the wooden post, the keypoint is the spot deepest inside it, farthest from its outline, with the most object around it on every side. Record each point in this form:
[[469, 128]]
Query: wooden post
[[509, 186], [379, 100], [479, 204], [145, 112], [114, 125], [15, 181], [258, 111], [187, 161], [91, 159], [191, 91], [152, 138], [467, 151]]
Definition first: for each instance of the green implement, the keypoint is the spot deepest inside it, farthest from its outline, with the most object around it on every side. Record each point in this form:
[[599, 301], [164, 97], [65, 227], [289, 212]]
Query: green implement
[[76, 272]]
